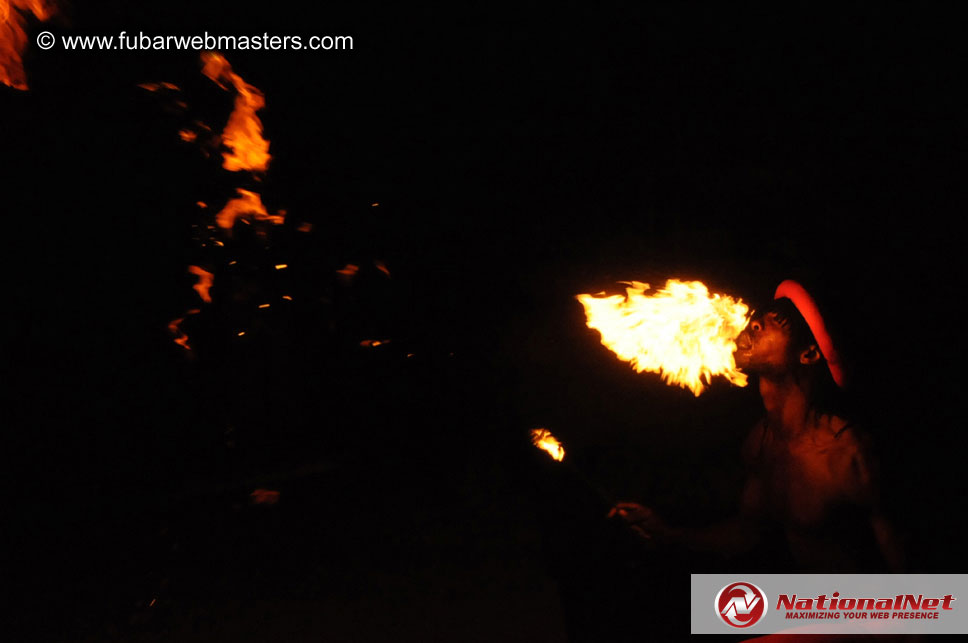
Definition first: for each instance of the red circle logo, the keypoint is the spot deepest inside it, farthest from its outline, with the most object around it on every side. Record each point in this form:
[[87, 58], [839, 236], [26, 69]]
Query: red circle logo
[[741, 604]]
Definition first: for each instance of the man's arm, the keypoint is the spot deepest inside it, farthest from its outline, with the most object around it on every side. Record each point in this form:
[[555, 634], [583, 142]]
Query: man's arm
[[865, 473], [731, 537], [736, 535]]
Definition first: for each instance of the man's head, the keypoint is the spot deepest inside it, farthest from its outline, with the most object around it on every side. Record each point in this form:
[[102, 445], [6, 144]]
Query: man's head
[[778, 342], [791, 339]]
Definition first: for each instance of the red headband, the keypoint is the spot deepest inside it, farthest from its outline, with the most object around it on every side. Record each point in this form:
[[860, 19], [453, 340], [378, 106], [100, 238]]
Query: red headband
[[811, 314]]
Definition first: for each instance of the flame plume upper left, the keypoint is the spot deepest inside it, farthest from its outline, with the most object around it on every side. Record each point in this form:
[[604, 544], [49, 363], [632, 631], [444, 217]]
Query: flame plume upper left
[[247, 149], [13, 37]]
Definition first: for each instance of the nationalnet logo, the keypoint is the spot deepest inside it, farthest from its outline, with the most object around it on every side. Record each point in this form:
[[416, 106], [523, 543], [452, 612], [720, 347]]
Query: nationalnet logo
[[741, 604], [899, 606], [829, 603]]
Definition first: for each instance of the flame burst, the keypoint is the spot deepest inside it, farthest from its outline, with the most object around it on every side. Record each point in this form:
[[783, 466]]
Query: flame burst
[[245, 149], [13, 37], [243, 133], [205, 279], [174, 327], [680, 331], [247, 204], [543, 439]]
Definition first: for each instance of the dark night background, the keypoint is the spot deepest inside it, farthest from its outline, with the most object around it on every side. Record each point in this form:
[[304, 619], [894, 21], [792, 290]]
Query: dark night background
[[518, 159]]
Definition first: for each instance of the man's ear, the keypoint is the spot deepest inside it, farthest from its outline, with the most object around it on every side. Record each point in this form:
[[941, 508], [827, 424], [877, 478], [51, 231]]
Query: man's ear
[[810, 355]]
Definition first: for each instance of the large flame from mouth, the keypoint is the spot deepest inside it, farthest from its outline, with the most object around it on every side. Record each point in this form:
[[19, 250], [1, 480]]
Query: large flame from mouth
[[242, 135], [543, 439], [681, 331], [13, 37]]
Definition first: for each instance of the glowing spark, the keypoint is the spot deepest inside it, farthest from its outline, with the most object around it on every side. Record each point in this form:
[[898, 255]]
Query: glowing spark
[[155, 87], [281, 266]]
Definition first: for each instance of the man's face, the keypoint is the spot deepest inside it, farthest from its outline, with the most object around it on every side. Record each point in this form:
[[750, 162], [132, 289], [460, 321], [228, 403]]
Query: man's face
[[766, 345]]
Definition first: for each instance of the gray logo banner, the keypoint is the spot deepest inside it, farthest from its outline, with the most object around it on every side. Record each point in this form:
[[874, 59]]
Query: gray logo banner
[[830, 604]]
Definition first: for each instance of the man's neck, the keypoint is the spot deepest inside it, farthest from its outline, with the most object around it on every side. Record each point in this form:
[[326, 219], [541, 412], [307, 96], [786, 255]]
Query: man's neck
[[786, 402]]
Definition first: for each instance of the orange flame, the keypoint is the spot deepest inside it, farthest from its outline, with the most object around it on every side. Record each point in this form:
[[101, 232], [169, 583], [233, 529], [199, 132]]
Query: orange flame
[[174, 327], [680, 331], [245, 150], [247, 203], [243, 133], [205, 279], [543, 439], [13, 37], [155, 87]]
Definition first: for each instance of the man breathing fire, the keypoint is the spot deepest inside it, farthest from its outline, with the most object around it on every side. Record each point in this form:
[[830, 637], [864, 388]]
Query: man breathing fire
[[809, 470]]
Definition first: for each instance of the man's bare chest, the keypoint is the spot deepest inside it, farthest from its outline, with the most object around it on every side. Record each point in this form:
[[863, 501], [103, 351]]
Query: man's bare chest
[[804, 482]]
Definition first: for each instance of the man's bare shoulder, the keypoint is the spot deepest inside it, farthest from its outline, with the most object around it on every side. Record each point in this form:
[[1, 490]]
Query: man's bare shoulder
[[845, 435], [852, 456]]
